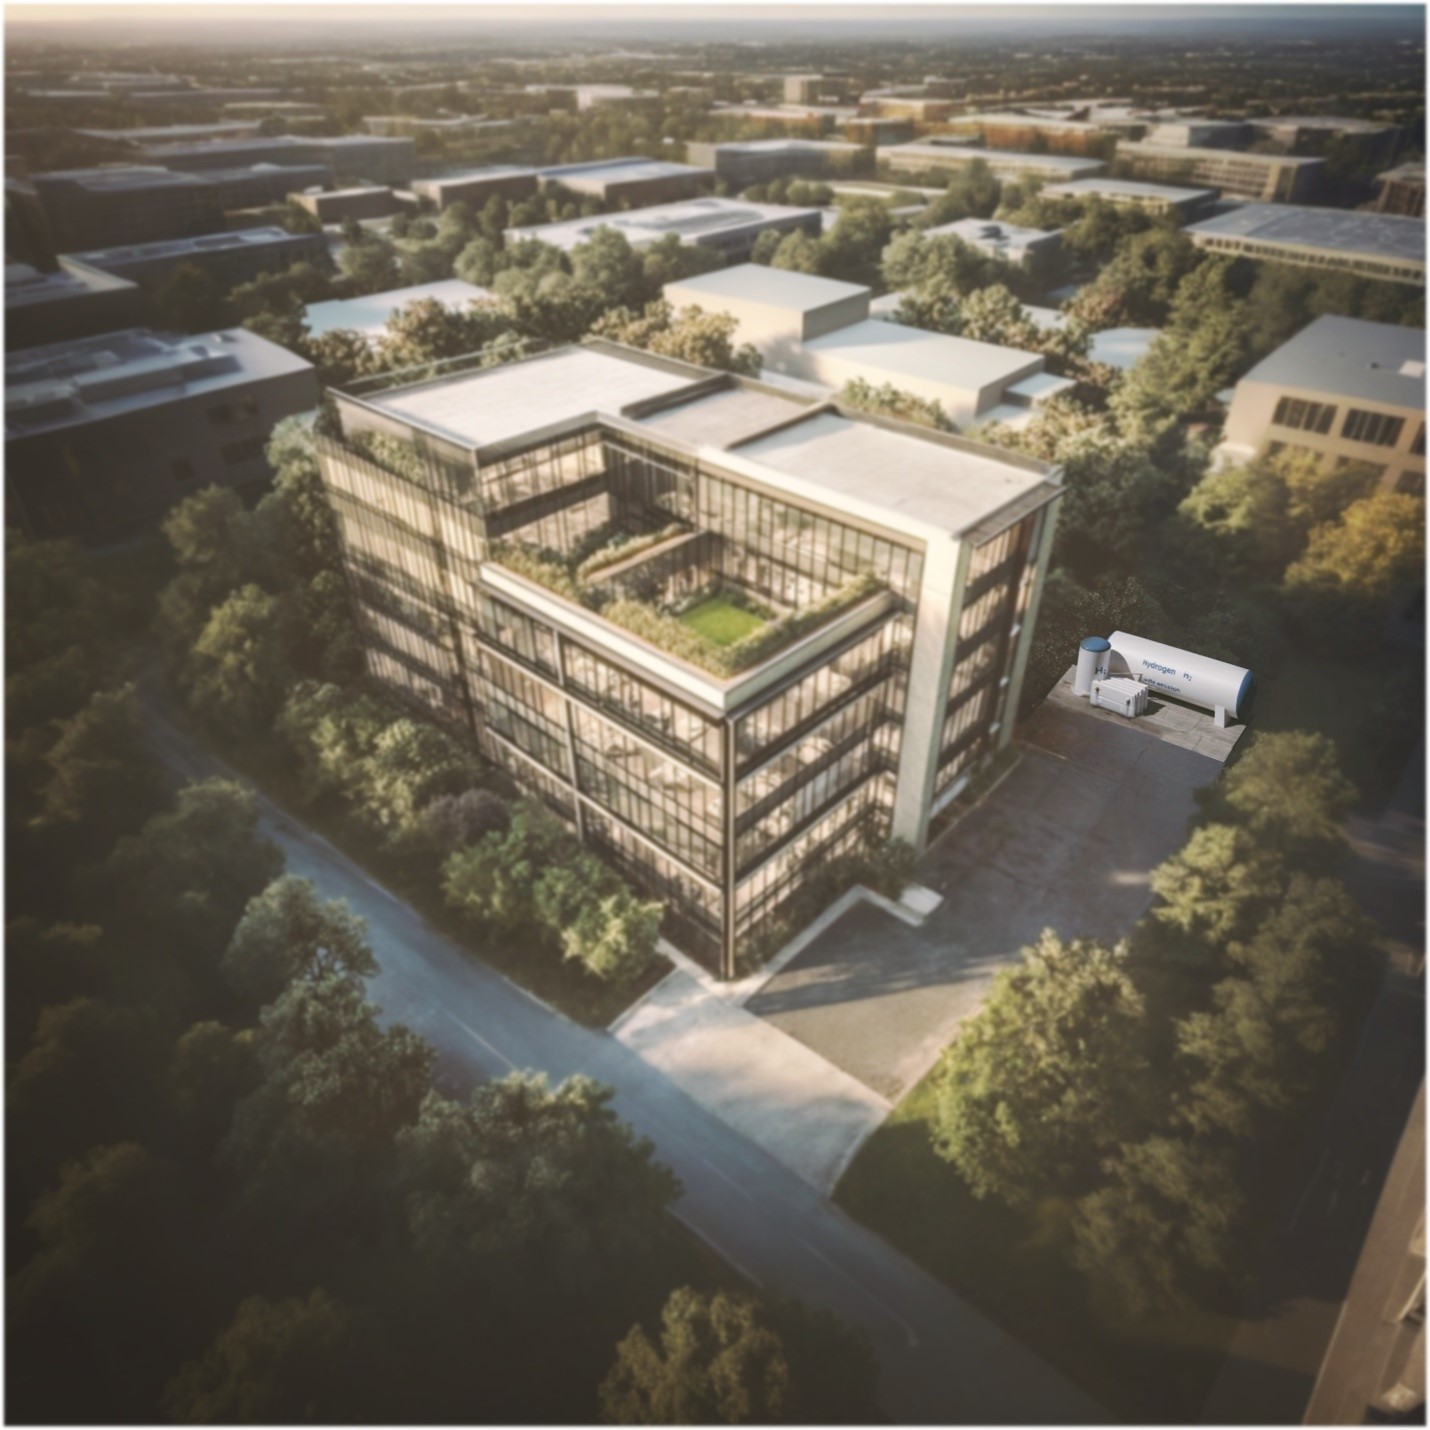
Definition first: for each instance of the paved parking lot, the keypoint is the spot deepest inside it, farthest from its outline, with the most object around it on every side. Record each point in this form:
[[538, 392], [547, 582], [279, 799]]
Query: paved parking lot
[[1067, 842]]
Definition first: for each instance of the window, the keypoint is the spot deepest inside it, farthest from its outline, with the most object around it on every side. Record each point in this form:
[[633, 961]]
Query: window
[[1417, 447], [250, 449], [1378, 429], [1304, 416]]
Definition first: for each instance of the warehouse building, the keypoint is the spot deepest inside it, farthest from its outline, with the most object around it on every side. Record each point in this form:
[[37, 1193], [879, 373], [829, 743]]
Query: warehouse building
[[629, 181], [474, 187], [933, 156], [334, 205], [1347, 390], [729, 226], [73, 301], [1370, 245], [820, 330], [1127, 193], [757, 161], [104, 434], [1274, 178], [229, 258], [887, 579], [98, 208]]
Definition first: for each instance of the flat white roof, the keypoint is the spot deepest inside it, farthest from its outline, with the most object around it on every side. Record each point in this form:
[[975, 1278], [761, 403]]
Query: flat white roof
[[479, 409], [894, 351], [1349, 231], [929, 149], [620, 170], [202, 243], [1122, 347], [368, 315], [724, 418], [768, 287], [1192, 151], [1345, 357], [27, 287], [923, 481], [1127, 189], [991, 231], [688, 220]]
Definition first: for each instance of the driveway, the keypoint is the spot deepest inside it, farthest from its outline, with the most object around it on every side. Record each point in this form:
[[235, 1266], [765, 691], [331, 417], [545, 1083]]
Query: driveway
[[1067, 841]]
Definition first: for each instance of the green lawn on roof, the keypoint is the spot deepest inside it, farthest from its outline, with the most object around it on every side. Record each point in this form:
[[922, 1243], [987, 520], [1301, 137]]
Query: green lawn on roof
[[719, 619]]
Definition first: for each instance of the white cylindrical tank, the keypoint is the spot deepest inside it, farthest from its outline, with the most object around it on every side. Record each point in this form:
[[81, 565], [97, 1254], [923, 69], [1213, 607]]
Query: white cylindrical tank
[[1184, 675], [1091, 664]]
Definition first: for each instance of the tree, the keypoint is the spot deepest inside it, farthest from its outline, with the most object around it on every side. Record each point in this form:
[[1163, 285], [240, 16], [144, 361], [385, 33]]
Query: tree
[[287, 933], [494, 882], [890, 401], [1043, 1081], [410, 762], [739, 1360], [852, 248], [614, 937], [190, 301], [693, 336], [341, 356], [47, 964], [994, 315], [1339, 592], [453, 821], [240, 671], [52, 601], [369, 264], [670, 259], [524, 1176], [213, 1066], [276, 1362], [607, 264], [1168, 1213], [797, 252]]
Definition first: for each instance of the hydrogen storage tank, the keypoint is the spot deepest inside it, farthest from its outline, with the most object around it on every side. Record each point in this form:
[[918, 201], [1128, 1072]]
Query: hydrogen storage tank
[[1184, 675], [1091, 664]]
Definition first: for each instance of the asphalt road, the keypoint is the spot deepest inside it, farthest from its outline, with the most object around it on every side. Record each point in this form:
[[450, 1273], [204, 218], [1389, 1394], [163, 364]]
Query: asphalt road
[[941, 1361]]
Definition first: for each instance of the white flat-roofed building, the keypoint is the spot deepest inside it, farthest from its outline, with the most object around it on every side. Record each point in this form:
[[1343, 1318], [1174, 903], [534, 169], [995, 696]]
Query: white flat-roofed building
[[1279, 178], [757, 161], [1371, 245], [1128, 193], [890, 577], [729, 226], [96, 208], [231, 258], [74, 301], [104, 434], [474, 187], [1347, 390], [369, 314], [931, 156], [1023, 246], [644, 181], [819, 330]]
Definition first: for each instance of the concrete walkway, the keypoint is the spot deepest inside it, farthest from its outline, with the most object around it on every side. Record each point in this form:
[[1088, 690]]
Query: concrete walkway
[[787, 1099]]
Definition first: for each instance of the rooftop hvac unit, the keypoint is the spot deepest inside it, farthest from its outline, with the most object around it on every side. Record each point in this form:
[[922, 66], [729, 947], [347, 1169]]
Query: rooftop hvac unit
[[1120, 693]]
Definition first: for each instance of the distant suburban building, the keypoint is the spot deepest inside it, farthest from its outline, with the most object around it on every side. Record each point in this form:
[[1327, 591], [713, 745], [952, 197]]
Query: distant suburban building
[[474, 187], [820, 330], [633, 181], [28, 238], [1317, 133], [1279, 178], [174, 133], [350, 156], [103, 435], [230, 258], [1127, 193], [932, 156], [73, 301], [1346, 390], [801, 88], [1402, 191], [757, 161], [334, 205], [729, 226], [921, 109], [1183, 133], [369, 314], [96, 208], [1026, 247], [1016, 131], [257, 186], [887, 578], [1371, 245], [871, 131]]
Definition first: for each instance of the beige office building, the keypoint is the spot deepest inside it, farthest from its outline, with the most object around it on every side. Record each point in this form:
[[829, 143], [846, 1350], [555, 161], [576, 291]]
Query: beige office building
[[1276, 178]]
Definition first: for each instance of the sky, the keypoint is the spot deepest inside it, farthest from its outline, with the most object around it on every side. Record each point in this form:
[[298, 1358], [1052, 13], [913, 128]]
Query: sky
[[295, 23]]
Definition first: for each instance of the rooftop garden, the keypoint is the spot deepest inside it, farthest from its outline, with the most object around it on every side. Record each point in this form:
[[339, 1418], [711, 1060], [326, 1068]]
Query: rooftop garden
[[662, 588]]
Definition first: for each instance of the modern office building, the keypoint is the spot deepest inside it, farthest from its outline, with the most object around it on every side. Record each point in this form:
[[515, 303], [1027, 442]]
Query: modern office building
[[334, 205], [1127, 193], [1200, 133], [1274, 178], [1026, 247], [802, 88], [369, 314], [1370, 245], [474, 187], [1347, 390], [1318, 133], [819, 330], [1401, 191], [729, 226], [350, 156], [933, 156], [98, 208], [1059, 134], [256, 186], [629, 181], [136, 138], [73, 301], [757, 161], [525, 543], [103, 435], [230, 258]]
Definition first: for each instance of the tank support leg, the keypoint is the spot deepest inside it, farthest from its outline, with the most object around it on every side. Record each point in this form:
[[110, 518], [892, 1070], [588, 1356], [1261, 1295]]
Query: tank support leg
[[1221, 717]]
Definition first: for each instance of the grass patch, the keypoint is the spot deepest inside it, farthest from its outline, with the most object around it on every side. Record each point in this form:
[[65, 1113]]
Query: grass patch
[[719, 619], [1010, 1264]]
